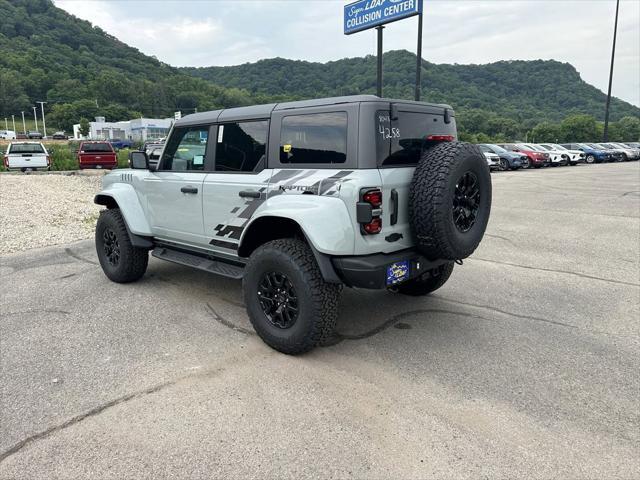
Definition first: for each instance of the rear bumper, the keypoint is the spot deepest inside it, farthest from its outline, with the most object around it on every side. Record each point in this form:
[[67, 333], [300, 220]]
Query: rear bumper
[[370, 271]]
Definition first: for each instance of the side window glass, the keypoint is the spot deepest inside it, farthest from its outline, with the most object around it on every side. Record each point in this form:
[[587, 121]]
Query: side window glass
[[242, 146], [314, 138], [185, 150]]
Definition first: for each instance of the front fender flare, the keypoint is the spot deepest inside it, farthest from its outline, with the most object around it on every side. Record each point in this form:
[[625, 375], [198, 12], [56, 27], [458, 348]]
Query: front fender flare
[[127, 200]]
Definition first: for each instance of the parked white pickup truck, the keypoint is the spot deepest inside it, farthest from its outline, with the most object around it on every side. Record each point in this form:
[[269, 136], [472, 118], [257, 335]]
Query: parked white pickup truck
[[26, 156]]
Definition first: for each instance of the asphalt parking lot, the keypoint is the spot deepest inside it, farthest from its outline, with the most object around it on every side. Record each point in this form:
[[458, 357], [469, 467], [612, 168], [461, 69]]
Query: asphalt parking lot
[[526, 364]]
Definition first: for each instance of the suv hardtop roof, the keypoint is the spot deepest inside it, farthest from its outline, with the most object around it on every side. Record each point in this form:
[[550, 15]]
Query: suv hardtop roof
[[264, 111]]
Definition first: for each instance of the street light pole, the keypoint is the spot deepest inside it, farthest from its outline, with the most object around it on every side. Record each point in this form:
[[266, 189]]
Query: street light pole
[[6, 125], [24, 125], [13, 119], [35, 117], [44, 125], [613, 54]]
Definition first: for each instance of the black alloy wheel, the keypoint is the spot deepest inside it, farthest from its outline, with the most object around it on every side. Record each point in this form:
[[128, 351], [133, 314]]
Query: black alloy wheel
[[504, 164], [278, 299], [466, 201], [111, 246]]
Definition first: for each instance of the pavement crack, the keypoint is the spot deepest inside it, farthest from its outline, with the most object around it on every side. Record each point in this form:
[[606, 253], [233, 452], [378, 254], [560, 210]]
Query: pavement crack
[[38, 310], [502, 238], [79, 418], [72, 254], [395, 319], [510, 314], [223, 321], [567, 272]]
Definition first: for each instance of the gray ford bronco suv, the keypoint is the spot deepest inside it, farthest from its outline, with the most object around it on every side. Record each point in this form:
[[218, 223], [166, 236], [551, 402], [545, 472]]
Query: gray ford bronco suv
[[299, 199]]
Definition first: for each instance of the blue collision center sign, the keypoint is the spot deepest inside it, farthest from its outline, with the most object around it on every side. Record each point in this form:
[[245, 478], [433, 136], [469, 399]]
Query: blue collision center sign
[[366, 14]]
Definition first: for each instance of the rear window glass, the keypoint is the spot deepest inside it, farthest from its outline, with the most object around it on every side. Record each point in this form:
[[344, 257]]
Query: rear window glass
[[26, 148], [402, 141], [96, 147], [314, 138]]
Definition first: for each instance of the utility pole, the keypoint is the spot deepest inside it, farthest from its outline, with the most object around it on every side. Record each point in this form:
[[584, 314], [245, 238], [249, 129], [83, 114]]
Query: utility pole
[[35, 117], [6, 125], [613, 54], [44, 125], [24, 125], [13, 119]]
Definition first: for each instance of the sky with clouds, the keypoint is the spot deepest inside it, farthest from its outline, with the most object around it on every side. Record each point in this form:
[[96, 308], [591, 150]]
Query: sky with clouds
[[231, 32]]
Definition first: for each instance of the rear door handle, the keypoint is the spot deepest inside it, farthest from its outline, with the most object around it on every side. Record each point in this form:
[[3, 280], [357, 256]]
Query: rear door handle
[[394, 209], [189, 190], [249, 194]]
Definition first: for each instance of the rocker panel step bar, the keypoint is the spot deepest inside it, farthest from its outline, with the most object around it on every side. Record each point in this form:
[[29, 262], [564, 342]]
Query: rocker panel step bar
[[200, 262]]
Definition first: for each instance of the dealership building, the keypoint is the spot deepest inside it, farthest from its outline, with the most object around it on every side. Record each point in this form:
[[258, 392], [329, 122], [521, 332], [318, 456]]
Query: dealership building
[[138, 129]]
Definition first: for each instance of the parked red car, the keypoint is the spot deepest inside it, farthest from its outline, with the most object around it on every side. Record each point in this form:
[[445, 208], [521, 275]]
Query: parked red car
[[536, 159], [97, 155]]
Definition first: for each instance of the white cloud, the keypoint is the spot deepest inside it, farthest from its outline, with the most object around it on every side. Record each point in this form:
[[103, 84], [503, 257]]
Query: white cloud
[[228, 32]]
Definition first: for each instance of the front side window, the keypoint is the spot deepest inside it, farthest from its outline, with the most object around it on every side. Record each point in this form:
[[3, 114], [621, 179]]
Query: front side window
[[186, 149], [241, 146], [317, 138]]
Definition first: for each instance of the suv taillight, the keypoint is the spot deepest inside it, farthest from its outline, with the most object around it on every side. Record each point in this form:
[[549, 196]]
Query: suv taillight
[[6, 161], [373, 197], [368, 211], [441, 138], [48, 161]]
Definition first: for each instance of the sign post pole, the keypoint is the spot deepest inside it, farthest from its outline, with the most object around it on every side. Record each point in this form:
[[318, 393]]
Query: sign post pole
[[365, 14], [419, 59], [379, 81]]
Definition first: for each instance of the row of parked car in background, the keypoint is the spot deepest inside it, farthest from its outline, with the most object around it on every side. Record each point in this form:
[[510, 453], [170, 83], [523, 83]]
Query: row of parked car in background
[[30, 135], [26, 156], [29, 156], [513, 156]]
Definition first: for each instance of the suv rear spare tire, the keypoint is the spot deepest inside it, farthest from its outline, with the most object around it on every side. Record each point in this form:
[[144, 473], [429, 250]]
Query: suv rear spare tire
[[450, 200]]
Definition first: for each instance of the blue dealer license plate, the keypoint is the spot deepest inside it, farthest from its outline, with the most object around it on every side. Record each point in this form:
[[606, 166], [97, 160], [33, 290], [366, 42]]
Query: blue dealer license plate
[[397, 272]]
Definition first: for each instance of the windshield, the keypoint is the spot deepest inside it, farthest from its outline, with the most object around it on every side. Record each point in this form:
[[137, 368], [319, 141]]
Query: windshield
[[496, 148], [555, 146], [591, 145], [27, 148], [607, 145], [96, 147]]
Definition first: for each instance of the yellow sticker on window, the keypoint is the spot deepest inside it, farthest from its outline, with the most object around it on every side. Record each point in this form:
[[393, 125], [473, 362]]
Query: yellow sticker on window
[[286, 148]]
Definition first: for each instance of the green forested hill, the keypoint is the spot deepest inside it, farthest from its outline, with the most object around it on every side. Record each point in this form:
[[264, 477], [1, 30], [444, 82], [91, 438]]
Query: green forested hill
[[519, 90], [47, 54], [82, 71]]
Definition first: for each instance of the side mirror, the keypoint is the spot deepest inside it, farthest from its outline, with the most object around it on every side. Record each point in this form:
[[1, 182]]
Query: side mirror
[[138, 160]]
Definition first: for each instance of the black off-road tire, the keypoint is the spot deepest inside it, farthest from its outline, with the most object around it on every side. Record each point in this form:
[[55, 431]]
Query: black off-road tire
[[427, 282], [317, 300], [132, 262], [431, 200]]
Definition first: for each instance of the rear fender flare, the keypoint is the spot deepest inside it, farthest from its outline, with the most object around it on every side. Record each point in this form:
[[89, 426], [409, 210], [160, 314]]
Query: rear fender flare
[[324, 221]]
